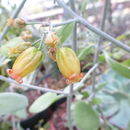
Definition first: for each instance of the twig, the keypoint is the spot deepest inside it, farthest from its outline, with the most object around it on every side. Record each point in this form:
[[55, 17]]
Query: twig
[[45, 24], [70, 94], [69, 99], [106, 4], [92, 28], [15, 14], [32, 86], [88, 73], [13, 123], [74, 37]]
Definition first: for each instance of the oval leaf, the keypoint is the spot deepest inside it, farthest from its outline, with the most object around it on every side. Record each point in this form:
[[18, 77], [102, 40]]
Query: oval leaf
[[85, 117], [12, 102], [85, 51], [118, 67], [43, 102], [64, 32]]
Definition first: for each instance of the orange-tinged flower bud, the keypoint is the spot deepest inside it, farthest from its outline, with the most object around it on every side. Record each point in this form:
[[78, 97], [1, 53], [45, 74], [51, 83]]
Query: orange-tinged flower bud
[[52, 40], [25, 63], [19, 23], [10, 22], [69, 64]]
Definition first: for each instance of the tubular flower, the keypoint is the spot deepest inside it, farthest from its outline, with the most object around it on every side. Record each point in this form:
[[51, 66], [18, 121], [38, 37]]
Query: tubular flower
[[25, 63], [52, 40], [69, 64]]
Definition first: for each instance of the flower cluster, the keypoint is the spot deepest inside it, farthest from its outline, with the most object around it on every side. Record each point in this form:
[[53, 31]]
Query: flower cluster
[[29, 57]]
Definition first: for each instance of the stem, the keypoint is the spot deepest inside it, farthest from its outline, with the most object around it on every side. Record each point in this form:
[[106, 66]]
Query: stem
[[69, 99], [41, 42], [15, 14], [44, 24], [36, 41], [13, 123], [99, 42], [31, 86], [50, 90], [92, 28], [74, 45]]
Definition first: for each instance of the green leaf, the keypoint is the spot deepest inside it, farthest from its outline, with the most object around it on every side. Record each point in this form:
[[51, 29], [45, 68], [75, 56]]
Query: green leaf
[[4, 49], [123, 36], [118, 67], [96, 101], [85, 117], [64, 32], [85, 94], [126, 63], [83, 5], [100, 86], [101, 58], [21, 113], [115, 98], [43, 102], [84, 52], [87, 65], [12, 102], [128, 128]]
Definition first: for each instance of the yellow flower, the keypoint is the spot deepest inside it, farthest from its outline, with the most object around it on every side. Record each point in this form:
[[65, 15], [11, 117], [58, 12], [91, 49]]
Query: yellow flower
[[69, 64], [25, 63]]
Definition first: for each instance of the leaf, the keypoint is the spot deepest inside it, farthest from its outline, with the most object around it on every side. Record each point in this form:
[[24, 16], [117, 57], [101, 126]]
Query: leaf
[[118, 67], [84, 52], [123, 36], [64, 32], [121, 119], [85, 94], [126, 63], [85, 117], [12, 43], [12, 102], [87, 65], [21, 113], [43, 102], [83, 5], [115, 98], [96, 101], [100, 86], [128, 128]]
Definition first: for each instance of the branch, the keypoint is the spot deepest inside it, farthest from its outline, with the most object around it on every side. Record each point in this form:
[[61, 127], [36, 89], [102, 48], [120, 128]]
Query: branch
[[92, 28], [32, 86], [69, 99], [105, 10], [44, 24]]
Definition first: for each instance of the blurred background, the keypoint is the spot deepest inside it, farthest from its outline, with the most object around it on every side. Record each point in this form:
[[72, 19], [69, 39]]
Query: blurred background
[[117, 25]]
